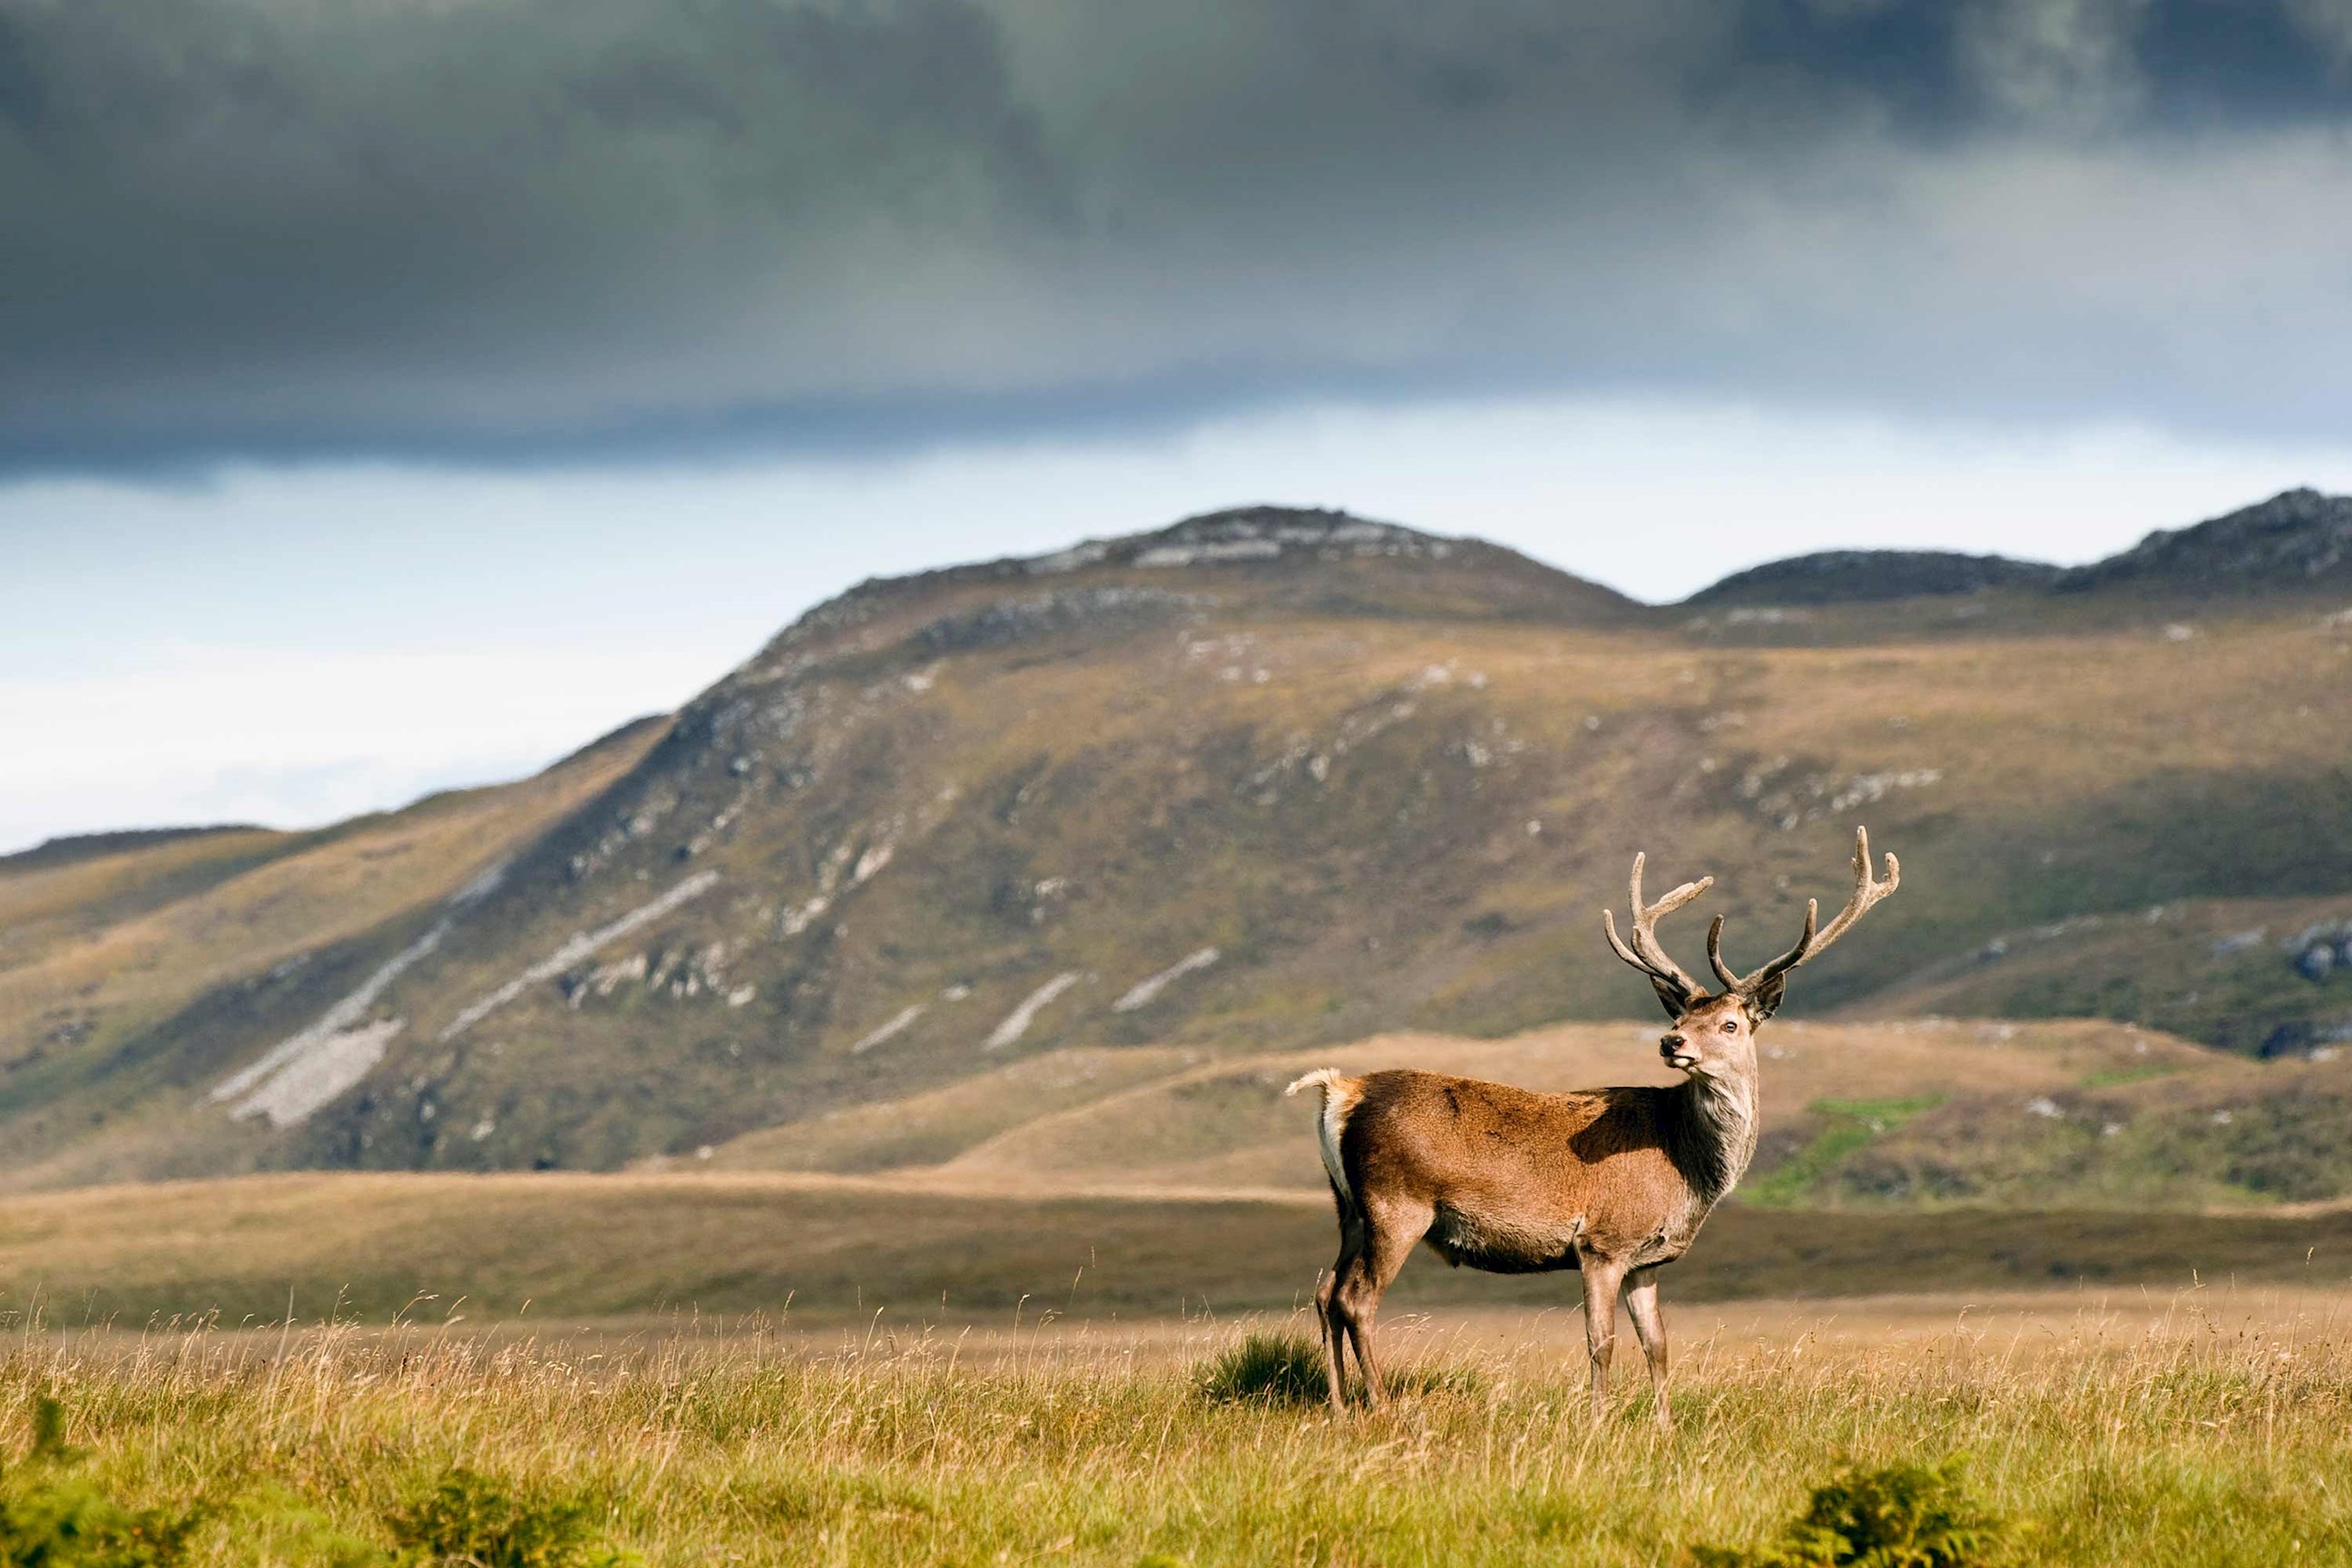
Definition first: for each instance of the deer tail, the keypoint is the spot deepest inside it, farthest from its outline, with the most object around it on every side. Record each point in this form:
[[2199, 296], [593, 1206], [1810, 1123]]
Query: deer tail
[[1341, 1093]]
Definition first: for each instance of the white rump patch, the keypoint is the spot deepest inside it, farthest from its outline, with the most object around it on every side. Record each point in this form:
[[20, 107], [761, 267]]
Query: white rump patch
[[1341, 1093], [582, 945], [891, 1030], [1144, 991], [286, 1083], [1016, 1023]]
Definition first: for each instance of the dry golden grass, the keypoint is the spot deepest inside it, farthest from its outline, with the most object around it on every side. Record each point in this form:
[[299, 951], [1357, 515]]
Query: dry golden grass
[[936, 1125], [2207, 1428]]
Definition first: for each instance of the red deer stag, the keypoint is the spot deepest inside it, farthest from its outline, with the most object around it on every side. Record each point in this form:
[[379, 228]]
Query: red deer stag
[[1612, 1182]]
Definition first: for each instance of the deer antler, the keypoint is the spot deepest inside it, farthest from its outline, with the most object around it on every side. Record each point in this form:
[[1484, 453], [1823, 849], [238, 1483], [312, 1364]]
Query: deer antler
[[1866, 893], [1646, 954]]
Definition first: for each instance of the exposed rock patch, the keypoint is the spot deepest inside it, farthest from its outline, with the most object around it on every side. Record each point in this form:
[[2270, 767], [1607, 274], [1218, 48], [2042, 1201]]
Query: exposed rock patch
[[303, 1072], [1016, 1023], [584, 944], [2297, 537], [1144, 992]]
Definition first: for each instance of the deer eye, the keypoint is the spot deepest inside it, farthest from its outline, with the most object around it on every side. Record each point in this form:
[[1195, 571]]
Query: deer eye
[[1731, 1025]]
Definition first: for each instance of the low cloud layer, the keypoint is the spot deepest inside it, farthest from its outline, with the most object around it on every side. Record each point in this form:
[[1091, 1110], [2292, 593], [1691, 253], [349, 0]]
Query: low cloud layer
[[511, 230]]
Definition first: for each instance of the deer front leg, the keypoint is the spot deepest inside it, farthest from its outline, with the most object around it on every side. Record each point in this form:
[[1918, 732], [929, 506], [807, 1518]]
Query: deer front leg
[[1603, 1275], [1642, 1306]]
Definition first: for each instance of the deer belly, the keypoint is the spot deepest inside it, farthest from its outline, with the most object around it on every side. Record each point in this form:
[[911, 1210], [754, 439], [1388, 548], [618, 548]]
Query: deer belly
[[1500, 1245]]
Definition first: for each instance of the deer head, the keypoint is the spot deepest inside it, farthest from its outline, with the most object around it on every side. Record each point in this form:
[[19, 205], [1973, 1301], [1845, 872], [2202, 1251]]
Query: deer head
[[1713, 1034]]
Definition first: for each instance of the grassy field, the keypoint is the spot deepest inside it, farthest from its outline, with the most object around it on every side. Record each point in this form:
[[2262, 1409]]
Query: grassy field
[[2206, 1428]]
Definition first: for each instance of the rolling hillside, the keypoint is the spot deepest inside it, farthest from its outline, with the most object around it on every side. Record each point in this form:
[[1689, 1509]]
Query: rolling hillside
[[1149, 1181], [1263, 782]]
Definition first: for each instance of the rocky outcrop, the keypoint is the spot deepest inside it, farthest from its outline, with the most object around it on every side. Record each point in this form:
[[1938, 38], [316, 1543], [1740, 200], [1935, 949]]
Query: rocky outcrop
[[2294, 539]]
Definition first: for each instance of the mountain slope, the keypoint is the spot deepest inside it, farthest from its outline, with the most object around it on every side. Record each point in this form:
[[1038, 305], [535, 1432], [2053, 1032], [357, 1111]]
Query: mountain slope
[[1260, 781], [118, 960]]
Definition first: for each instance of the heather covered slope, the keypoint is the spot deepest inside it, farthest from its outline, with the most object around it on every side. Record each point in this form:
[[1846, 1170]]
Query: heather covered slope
[[1261, 781]]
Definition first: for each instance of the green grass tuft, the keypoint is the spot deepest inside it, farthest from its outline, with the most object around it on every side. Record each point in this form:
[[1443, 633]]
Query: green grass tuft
[[1905, 1516], [67, 1523], [1267, 1369], [52, 1520], [470, 1521], [1287, 1369], [49, 1445]]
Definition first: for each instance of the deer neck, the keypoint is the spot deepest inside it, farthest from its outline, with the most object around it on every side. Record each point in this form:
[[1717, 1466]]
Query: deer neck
[[1716, 1131]]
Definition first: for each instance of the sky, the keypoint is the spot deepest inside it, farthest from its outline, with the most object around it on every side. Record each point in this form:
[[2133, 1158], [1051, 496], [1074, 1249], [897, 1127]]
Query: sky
[[399, 393]]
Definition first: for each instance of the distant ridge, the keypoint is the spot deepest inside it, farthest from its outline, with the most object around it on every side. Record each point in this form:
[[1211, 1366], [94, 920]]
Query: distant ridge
[[1857, 576], [2299, 537], [1258, 532], [1323, 555], [71, 849]]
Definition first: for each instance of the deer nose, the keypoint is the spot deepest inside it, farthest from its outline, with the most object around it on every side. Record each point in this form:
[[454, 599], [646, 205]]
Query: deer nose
[[1671, 1043]]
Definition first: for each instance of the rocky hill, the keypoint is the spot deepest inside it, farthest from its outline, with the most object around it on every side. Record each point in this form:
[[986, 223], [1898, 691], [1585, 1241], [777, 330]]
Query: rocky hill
[[2300, 539], [1854, 576], [1261, 780]]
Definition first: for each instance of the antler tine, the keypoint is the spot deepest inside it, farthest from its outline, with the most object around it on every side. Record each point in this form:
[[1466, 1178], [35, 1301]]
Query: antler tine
[[1609, 929], [1646, 953], [1866, 893], [1796, 955], [1714, 955]]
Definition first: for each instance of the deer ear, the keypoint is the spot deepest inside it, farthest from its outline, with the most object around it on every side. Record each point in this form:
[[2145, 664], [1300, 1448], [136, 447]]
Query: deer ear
[[1666, 998], [1765, 1000]]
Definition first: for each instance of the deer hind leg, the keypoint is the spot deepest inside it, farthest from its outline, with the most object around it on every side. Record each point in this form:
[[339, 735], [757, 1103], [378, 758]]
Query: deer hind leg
[[1389, 1234], [1642, 1306], [1603, 1275], [1326, 1304]]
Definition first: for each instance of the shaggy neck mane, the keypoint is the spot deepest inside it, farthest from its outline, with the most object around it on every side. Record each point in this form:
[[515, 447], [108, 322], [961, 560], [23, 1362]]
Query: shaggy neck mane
[[1716, 1133]]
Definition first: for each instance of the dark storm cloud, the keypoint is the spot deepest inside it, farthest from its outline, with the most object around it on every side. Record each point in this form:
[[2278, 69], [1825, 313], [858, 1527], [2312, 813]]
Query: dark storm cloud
[[513, 229], [1937, 69]]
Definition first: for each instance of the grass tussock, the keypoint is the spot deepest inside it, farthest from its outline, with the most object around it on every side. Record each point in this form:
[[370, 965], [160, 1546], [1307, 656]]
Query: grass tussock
[[1266, 1369], [1903, 1516], [1287, 1368], [471, 1521], [52, 1518], [2193, 1443]]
